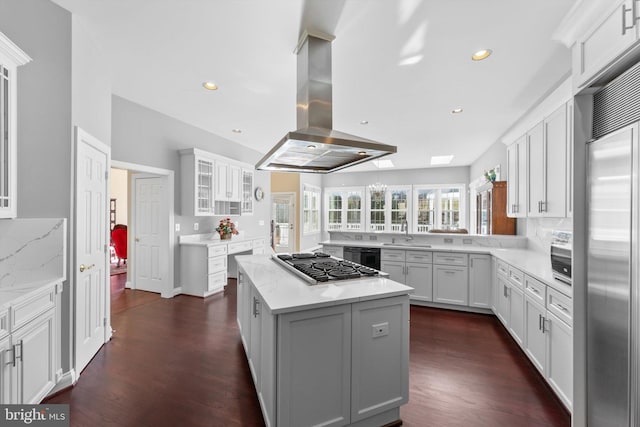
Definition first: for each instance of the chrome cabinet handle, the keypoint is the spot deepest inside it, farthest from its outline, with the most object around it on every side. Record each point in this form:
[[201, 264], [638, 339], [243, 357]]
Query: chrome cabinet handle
[[504, 290], [540, 322], [545, 328], [561, 307], [13, 356], [256, 312], [15, 352]]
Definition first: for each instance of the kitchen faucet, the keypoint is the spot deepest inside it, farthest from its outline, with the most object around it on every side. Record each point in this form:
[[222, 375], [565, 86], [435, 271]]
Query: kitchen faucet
[[404, 226]]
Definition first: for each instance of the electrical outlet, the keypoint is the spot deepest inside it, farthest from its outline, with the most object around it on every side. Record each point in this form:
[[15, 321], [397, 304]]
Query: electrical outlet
[[177, 227], [380, 330], [467, 241], [196, 226], [373, 237], [358, 237], [448, 240]]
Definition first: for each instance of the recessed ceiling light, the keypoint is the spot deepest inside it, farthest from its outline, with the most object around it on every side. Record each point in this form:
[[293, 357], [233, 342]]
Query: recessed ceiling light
[[210, 85], [311, 147], [382, 164], [362, 153], [441, 160], [481, 54], [364, 122], [456, 111], [236, 130]]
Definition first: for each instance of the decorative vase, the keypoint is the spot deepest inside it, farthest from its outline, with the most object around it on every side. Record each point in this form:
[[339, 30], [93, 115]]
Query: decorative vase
[[225, 236]]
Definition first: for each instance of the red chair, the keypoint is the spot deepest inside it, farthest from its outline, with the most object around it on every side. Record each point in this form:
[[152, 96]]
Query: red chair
[[119, 239]]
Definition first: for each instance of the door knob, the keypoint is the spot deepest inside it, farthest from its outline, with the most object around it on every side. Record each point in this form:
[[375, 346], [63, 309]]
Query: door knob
[[137, 239], [84, 267]]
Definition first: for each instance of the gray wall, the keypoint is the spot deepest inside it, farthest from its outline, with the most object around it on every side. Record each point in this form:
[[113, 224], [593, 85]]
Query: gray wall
[[494, 156], [146, 137], [43, 31]]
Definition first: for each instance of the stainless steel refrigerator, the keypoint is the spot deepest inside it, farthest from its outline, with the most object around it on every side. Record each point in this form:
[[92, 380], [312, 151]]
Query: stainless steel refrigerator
[[612, 288]]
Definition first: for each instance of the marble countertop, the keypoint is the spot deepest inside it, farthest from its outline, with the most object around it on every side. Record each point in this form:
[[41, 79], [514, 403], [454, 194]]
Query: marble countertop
[[535, 264], [284, 292], [11, 295], [211, 239]]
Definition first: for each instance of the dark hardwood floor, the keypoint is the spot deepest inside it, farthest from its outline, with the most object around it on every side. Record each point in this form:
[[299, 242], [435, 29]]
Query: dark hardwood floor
[[179, 362]]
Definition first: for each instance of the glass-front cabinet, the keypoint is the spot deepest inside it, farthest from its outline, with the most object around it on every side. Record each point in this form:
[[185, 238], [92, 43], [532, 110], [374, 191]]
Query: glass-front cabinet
[[11, 57]]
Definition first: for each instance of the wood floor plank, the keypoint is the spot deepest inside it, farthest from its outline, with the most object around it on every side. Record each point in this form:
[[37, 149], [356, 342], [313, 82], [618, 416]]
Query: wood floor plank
[[180, 362]]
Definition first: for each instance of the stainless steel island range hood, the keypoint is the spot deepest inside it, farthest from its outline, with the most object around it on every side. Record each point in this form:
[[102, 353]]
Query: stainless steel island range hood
[[315, 147]]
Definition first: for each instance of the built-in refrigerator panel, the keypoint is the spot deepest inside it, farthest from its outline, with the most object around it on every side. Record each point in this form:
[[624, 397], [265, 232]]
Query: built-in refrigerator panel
[[612, 247]]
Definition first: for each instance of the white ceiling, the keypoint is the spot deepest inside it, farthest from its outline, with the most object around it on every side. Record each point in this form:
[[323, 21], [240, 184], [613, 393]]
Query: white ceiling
[[162, 51]]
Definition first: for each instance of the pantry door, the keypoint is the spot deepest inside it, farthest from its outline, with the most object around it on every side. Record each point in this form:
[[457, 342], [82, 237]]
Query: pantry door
[[91, 266]]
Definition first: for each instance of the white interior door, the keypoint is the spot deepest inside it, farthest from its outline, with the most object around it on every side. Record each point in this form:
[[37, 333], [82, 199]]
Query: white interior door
[[91, 265], [284, 215], [150, 233]]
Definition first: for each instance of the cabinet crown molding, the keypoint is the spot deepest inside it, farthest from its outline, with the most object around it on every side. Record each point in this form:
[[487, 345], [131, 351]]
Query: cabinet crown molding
[[10, 50], [579, 19]]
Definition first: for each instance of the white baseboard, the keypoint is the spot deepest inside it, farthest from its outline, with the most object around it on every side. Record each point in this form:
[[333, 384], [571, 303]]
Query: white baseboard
[[128, 284], [172, 293], [68, 379]]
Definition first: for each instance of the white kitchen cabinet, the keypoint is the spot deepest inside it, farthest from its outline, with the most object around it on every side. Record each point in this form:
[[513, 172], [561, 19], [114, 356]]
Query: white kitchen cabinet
[[516, 313], [228, 185], [535, 340], [450, 278], [255, 344], [502, 305], [480, 280], [197, 182], [547, 145], [605, 41], [569, 159], [243, 300], [560, 358], [11, 57], [5, 369], [510, 299], [412, 268], [247, 192], [203, 269], [517, 178]]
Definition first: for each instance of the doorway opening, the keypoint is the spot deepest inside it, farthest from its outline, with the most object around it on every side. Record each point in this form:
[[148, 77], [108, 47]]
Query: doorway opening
[[283, 213]]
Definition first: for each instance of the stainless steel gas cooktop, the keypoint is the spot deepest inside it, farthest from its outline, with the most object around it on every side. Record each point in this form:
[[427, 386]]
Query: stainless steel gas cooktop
[[319, 267]]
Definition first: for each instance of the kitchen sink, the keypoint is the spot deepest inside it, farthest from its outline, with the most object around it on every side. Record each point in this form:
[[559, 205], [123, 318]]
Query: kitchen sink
[[415, 245]]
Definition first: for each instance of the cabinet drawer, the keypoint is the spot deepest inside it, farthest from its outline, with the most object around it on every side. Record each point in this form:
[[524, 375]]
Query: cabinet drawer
[[516, 277], [25, 311], [419, 256], [217, 281], [216, 250], [535, 289], [450, 258], [392, 255], [4, 323], [258, 243], [502, 268], [217, 264], [239, 247], [560, 305]]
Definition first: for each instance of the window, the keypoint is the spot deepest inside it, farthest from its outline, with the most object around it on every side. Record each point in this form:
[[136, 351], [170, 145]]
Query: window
[[389, 210], [439, 207], [344, 209], [311, 210]]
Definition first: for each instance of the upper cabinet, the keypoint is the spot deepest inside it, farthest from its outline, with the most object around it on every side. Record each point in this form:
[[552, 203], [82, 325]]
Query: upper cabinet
[[537, 169], [214, 185], [607, 40], [11, 57]]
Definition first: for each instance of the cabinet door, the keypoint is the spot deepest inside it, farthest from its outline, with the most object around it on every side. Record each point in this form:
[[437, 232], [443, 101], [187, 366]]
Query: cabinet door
[[314, 367], [380, 339], [569, 158], [537, 170], [604, 42], [555, 127], [255, 336], [523, 173], [395, 270], [204, 187], [450, 285], [34, 375], [221, 185], [516, 313], [235, 183], [512, 179], [242, 296], [6, 364], [503, 305], [535, 340], [247, 192], [420, 277], [560, 358], [480, 281], [267, 390]]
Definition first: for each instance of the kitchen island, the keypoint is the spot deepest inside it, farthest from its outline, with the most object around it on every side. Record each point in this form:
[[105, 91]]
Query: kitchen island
[[331, 354]]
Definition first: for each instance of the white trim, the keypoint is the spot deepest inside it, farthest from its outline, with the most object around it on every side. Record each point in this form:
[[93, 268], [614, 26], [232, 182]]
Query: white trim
[[344, 193], [437, 213], [318, 191], [12, 52], [68, 379]]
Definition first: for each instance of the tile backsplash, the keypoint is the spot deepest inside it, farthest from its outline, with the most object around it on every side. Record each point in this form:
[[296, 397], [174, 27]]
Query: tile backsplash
[[539, 231]]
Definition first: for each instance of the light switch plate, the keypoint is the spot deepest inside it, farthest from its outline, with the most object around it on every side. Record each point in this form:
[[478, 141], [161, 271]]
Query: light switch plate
[[261, 222], [196, 226], [448, 240], [177, 227], [380, 330]]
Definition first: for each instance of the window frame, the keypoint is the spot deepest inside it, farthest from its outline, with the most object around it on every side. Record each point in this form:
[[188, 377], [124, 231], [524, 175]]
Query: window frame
[[387, 227], [315, 192], [462, 211], [344, 193]]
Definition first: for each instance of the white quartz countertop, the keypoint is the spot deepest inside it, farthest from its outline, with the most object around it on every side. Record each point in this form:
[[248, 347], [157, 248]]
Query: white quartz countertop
[[534, 263], [11, 295], [284, 292], [212, 239]]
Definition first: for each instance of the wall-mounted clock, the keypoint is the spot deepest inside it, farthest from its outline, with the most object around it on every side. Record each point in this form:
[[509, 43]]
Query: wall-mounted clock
[[258, 193]]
